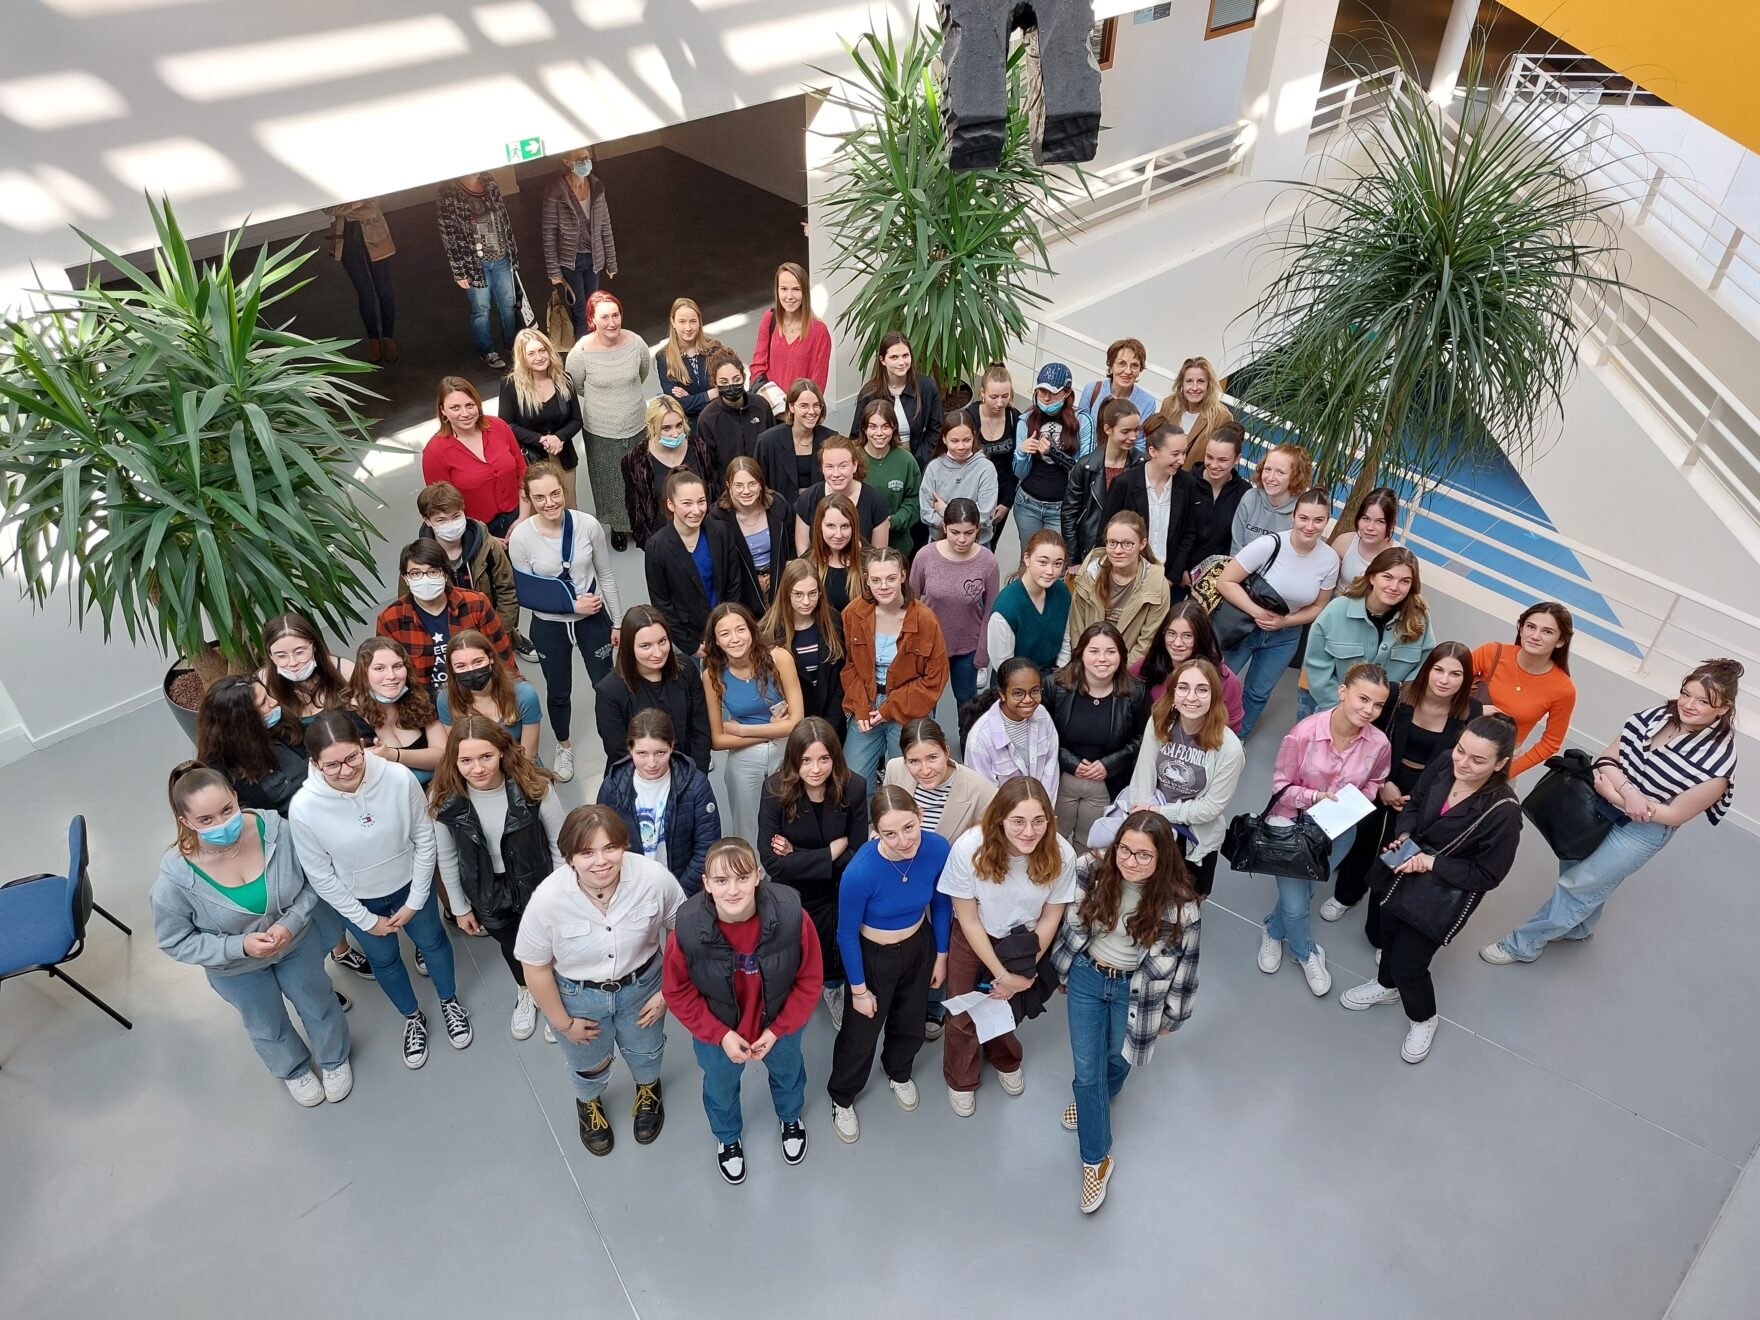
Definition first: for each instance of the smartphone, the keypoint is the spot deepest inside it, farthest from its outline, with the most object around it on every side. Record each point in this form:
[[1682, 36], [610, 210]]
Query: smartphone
[[1400, 852]]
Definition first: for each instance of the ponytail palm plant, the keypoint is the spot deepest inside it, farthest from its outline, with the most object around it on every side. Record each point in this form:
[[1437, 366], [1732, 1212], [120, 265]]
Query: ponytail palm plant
[[1435, 287]]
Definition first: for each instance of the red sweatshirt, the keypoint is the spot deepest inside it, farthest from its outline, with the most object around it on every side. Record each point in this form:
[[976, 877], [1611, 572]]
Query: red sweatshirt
[[689, 1007]]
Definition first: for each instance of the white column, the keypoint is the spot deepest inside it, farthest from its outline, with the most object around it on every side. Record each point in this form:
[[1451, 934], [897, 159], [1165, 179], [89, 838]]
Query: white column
[[829, 298], [1291, 39], [1455, 38]]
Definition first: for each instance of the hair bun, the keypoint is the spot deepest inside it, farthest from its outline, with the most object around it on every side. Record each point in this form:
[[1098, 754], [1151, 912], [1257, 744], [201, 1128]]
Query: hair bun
[[1501, 715], [1732, 667]]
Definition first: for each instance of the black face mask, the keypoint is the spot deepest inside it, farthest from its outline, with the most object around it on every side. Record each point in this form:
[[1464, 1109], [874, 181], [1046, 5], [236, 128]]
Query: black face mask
[[474, 680], [734, 394]]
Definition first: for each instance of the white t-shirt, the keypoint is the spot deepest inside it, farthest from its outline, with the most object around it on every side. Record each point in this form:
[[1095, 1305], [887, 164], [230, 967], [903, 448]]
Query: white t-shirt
[[1016, 900], [651, 795], [561, 926], [1298, 578], [1160, 514], [1352, 563]]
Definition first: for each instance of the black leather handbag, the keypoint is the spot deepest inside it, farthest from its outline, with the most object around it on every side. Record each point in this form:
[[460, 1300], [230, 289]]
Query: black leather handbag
[[1301, 850], [1233, 625], [1435, 910], [1571, 816]]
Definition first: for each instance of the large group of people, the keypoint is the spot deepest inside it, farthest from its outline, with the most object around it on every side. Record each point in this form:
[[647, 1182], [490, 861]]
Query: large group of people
[[783, 821]]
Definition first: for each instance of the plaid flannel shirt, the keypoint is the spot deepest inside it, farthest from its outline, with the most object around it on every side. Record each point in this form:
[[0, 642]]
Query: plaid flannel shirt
[[402, 622]]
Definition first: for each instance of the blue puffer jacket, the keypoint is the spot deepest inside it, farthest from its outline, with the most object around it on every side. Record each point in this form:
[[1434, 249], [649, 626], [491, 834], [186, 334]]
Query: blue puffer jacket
[[693, 821]]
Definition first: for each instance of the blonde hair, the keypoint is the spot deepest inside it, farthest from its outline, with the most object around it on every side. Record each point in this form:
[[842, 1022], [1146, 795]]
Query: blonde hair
[[674, 350], [525, 384], [658, 407], [1212, 411]]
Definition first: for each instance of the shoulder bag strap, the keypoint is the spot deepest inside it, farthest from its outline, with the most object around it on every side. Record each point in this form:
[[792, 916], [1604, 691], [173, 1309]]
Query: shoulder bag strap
[[1467, 833]]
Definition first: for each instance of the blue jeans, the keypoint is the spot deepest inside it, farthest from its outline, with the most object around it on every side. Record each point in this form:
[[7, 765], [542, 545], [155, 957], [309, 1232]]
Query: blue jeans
[[426, 931], [499, 275], [1031, 514], [868, 752], [722, 1076], [962, 677], [1583, 887], [1288, 921], [1099, 1008], [1259, 661], [374, 293], [589, 1065], [1305, 704], [300, 978]]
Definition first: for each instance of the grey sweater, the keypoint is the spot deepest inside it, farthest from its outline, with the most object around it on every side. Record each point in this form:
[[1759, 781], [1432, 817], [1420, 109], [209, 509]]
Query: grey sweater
[[610, 384], [197, 924], [1257, 516], [974, 479]]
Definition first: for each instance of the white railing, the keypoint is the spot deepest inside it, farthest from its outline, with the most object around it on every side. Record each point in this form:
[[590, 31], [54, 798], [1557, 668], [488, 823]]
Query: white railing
[[1344, 103], [1576, 80], [1133, 184]]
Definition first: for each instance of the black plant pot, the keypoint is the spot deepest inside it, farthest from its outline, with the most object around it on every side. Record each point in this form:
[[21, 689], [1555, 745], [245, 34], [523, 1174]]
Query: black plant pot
[[185, 717]]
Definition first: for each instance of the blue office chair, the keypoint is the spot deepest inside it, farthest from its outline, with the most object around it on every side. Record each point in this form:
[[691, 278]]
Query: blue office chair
[[43, 919]]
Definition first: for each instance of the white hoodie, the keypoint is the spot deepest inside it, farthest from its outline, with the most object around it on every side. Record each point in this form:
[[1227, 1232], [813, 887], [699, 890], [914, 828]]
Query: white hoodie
[[365, 844]]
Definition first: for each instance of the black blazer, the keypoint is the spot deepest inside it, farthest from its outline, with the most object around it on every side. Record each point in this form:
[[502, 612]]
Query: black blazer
[[781, 520], [1130, 716], [776, 457], [677, 591], [921, 402], [1208, 523], [822, 693], [729, 432], [810, 869], [1086, 497], [1131, 491], [614, 705]]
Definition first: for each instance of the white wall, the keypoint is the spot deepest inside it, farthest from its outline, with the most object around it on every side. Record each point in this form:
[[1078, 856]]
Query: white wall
[[1167, 83], [1696, 151]]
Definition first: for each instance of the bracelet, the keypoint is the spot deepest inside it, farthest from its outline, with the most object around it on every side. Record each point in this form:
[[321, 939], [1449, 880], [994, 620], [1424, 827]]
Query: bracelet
[[397, 754]]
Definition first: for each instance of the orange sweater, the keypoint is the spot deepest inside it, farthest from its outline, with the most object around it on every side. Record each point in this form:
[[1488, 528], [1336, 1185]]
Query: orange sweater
[[1527, 699]]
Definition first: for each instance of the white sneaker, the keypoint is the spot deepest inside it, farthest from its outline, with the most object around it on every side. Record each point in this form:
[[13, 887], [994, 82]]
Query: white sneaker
[[1319, 979], [564, 771], [1418, 1040], [1368, 995], [337, 1081], [525, 1015], [1378, 957], [1332, 910], [1013, 1082], [905, 1093], [306, 1089], [1497, 955], [965, 1103], [844, 1122], [1270, 953], [549, 1034], [834, 1006]]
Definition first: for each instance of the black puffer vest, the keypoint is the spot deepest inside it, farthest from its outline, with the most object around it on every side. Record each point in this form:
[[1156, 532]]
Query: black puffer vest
[[525, 852], [709, 957]]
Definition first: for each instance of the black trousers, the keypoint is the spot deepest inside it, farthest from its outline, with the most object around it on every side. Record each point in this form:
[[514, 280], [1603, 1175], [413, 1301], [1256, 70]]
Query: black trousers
[[1405, 962], [1353, 870], [820, 903], [1203, 874], [505, 936], [898, 978], [556, 643]]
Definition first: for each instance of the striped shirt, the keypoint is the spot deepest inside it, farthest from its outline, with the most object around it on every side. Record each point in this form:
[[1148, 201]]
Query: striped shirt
[[1683, 762], [932, 802]]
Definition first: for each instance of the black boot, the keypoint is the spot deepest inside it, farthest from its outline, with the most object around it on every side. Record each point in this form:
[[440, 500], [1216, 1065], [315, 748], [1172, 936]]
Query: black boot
[[650, 1112], [595, 1127]]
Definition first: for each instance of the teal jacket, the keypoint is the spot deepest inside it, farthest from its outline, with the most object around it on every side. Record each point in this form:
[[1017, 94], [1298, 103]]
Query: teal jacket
[[1343, 636]]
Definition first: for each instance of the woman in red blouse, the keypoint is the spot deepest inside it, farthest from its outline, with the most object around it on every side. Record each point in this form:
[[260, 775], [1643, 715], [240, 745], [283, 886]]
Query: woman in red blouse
[[479, 455]]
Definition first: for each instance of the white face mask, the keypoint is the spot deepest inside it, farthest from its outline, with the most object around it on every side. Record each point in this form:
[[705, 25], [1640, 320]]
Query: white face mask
[[428, 588], [301, 674], [452, 529]]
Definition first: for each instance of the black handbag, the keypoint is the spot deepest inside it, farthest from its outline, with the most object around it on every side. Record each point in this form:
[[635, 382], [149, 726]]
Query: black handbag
[[1435, 910], [1233, 625], [1299, 851], [1571, 816]]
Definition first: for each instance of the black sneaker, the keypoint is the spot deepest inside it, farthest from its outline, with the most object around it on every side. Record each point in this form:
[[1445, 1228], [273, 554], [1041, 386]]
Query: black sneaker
[[415, 1039], [355, 961], [595, 1127], [458, 1023], [523, 648], [794, 1142], [421, 963], [731, 1159], [344, 1000], [650, 1112], [620, 541]]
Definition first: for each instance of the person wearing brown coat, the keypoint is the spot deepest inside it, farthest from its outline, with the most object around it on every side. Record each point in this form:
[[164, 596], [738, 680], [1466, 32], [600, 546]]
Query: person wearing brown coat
[[895, 666]]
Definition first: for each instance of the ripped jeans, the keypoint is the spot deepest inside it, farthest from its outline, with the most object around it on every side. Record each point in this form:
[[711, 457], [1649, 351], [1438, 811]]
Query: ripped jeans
[[589, 1065]]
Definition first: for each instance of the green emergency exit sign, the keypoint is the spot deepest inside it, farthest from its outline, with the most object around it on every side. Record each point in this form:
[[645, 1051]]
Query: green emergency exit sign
[[525, 149]]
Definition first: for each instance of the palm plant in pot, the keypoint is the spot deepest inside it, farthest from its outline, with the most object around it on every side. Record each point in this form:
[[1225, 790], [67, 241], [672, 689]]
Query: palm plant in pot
[[181, 465]]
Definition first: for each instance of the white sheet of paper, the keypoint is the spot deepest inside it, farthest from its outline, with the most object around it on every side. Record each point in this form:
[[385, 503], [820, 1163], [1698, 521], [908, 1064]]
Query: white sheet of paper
[[1346, 808], [990, 1017]]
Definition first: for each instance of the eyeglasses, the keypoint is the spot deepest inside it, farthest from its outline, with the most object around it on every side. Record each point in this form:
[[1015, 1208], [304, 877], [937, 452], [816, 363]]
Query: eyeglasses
[[350, 762], [1025, 694], [424, 577], [1116, 543], [1141, 856]]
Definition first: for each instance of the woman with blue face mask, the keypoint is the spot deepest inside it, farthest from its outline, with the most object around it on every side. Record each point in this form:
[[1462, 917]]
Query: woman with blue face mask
[[1050, 438], [578, 245], [668, 444]]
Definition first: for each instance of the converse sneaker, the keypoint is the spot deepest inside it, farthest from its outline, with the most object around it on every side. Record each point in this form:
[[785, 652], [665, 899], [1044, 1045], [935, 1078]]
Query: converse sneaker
[[965, 1103], [458, 1023], [415, 1039], [338, 1082], [1069, 1117], [1419, 1037], [649, 1110], [1368, 995], [905, 1093], [306, 1089], [525, 1015], [794, 1142], [1319, 979], [1332, 910], [834, 1006], [1094, 1180], [523, 648], [595, 1128], [844, 1122], [1013, 1083], [421, 964], [1497, 955], [1270, 953], [356, 962], [731, 1160], [564, 767]]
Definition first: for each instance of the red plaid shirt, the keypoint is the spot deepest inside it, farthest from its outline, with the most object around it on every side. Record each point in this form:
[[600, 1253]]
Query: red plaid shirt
[[402, 622]]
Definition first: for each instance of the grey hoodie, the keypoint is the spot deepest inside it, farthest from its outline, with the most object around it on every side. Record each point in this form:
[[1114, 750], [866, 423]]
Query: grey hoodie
[[1257, 516], [974, 479], [197, 924], [368, 843]]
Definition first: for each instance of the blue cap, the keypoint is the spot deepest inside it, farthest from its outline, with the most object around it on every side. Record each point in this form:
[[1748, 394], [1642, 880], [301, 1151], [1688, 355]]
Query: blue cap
[[1054, 376]]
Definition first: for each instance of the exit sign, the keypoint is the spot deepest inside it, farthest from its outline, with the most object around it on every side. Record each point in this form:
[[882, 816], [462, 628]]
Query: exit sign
[[525, 149]]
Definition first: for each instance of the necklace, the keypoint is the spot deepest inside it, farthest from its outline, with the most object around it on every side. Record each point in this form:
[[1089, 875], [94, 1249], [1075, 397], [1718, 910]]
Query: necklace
[[904, 872], [602, 901]]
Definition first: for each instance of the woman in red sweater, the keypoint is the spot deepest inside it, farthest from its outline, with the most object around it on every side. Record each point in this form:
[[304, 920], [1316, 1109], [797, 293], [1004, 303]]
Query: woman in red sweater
[[479, 455], [793, 344], [1531, 680]]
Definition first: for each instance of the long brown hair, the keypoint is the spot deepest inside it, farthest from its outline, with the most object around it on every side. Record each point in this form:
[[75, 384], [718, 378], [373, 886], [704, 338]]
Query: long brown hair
[[749, 465], [414, 709], [790, 790], [799, 272], [715, 662], [456, 385], [819, 554], [991, 860], [1412, 691], [231, 736], [1166, 715], [187, 779], [1074, 675], [778, 621], [1167, 890], [1414, 611], [1567, 629], [533, 779], [1721, 680], [635, 619], [877, 380], [326, 689], [501, 679]]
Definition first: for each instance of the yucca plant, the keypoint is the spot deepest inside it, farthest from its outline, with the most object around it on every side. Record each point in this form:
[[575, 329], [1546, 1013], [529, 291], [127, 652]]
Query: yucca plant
[[1434, 290], [948, 257], [185, 467]]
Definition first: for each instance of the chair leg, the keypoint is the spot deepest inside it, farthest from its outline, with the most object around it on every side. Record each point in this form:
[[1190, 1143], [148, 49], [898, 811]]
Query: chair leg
[[61, 975], [98, 908]]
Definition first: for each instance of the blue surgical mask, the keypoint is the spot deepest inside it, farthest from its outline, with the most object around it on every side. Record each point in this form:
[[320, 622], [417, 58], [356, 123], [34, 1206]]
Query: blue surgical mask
[[224, 836], [1054, 407], [394, 698], [582, 168], [272, 718], [673, 441]]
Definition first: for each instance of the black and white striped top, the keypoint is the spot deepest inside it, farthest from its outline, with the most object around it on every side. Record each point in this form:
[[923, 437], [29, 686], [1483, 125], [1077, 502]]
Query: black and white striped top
[[1681, 763], [932, 802]]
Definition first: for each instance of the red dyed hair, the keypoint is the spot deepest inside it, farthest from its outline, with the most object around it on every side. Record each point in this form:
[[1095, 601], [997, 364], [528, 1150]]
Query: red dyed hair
[[597, 297]]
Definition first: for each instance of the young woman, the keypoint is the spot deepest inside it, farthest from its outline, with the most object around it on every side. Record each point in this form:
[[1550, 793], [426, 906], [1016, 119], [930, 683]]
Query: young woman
[[589, 944], [405, 725], [477, 454], [1014, 735], [996, 420], [1466, 822], [610, 368], [1158, 490], [1669, 764], [958, 472], [951, 797], [1186, 633], [1127, 953], [475, 560], [693, 564], [1125, 360], [1216, 493], [1300, 568], [1196, 404], [754, 702], [1316, 759], [231, 899], [1123, 584], [736, 927], [800, 621], [477, 235], [500, 820], [1119, 426], [892, 932], [1378, 615], [538, 402], [563, 543], [1099, 712], [242, 732], [837, 556], [1031, 615], [667, 446], [665, 802], [481, 686], [1377, 519], [1283, 476], [1189, 765], [891, 471], [811, 823], [1531, 681], [792, 344], [301, 675], [915, 399], [425, 618], [730, 426], [648, 673], [896, 665], [765, 526], [841, 467], [681, 364], [957, 579], [1422, 720], [360, 239], [367, 844], [789, 451], [1047, 443], [579, 246], [1010, 879]]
